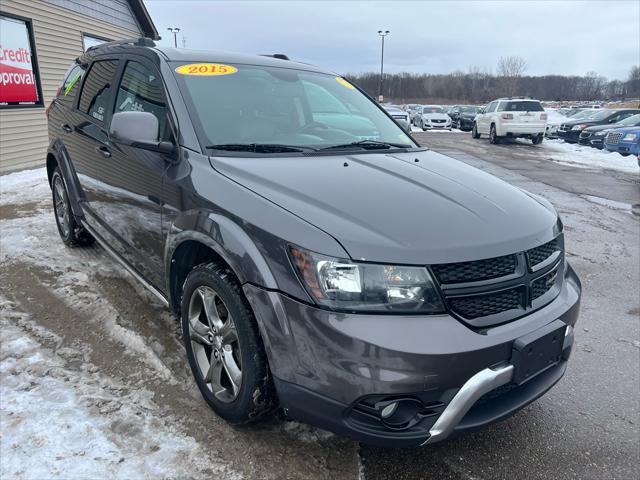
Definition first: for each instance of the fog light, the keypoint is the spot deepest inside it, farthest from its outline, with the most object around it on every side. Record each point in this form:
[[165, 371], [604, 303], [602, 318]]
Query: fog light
[[389, 410]]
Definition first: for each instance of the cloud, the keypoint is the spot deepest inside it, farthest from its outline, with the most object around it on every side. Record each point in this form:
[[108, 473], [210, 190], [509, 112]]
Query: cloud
[[554, 37]]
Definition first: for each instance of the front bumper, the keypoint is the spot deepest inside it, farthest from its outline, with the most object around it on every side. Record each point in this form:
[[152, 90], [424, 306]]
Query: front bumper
[[330, 369], [570, 136], [631, 148]]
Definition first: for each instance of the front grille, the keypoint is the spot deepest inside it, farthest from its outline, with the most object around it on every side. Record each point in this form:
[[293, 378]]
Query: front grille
[[540, 254], [475, 271], [496, 290], [438, 121], [614, 137], [565, 128], [584, 134], [543, 284], [484, 305]]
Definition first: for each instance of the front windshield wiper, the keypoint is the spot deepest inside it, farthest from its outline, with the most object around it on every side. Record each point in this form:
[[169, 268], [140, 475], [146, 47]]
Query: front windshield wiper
[[368, 145], [260, 148]]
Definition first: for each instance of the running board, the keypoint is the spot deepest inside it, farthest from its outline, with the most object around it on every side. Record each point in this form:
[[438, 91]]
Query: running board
[[126, 266]]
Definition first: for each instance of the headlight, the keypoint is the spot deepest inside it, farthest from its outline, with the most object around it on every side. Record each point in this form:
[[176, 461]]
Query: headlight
[[340, 284], [629, 137], [599, 134], [578, 127]]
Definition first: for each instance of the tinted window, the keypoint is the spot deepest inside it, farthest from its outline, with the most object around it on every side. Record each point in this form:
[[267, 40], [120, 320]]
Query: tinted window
[[432, 110], [141, 90], [71, 84], [524, 106], [97, 87]]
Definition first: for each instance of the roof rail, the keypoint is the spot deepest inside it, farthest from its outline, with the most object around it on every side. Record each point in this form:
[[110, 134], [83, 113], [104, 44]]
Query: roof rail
[[280, 56], [140, 42], [516, 98]]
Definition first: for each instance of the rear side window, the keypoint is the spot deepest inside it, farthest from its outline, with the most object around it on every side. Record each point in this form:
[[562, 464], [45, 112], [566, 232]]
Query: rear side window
[[71, 84], [524, 106], [141, 90], [97, 88], [491, 107]]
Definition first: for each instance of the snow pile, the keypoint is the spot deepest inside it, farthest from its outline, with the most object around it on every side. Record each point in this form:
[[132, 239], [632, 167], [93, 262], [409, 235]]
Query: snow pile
[[78, 423], [587, 157]]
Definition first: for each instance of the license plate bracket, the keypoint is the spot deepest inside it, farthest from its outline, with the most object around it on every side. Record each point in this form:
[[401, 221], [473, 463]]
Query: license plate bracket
[[535, 352]]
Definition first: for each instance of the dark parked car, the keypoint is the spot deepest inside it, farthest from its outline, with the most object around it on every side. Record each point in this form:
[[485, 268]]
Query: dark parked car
[[462, 116], [594, 136], [360, 282], [570, 131]]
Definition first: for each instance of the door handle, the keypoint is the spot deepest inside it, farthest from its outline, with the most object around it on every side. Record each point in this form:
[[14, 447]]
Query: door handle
[[66, 128], [104, 151]]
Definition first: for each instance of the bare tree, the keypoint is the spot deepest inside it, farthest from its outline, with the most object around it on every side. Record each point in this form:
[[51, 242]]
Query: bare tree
[[511, 69]]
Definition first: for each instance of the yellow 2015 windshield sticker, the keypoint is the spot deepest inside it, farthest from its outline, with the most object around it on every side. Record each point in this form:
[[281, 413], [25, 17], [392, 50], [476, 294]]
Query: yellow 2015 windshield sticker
[[210, 69], [342, 81]]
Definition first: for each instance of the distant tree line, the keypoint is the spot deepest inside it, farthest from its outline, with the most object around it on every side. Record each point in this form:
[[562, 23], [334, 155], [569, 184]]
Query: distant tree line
[[480, 86]]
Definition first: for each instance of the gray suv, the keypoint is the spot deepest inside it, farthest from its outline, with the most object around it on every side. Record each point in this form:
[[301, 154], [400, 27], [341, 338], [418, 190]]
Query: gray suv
[[319, 260]]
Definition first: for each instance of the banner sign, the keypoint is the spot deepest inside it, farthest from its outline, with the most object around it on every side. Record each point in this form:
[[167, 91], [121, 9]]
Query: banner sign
[[17, 78]]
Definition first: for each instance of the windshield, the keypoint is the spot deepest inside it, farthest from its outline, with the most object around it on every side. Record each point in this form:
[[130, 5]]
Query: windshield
[[469, 109], [281, 106], [599, 115], [432, 110], [631, 121]]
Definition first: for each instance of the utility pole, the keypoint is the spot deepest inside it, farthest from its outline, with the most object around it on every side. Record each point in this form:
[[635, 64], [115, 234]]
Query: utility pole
[[184, 41], [382, 33], [175, 31]]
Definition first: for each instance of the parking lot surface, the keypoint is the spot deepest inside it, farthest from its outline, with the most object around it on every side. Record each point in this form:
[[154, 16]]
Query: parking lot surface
[[82, 339]]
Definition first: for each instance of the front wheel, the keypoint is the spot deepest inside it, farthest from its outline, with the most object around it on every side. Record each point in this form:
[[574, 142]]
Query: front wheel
[[537, 140], [224, 347], [70, 231], [474, 131]]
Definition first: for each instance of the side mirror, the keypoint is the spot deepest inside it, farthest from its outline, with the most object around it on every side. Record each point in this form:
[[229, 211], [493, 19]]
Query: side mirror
[[138, 129]]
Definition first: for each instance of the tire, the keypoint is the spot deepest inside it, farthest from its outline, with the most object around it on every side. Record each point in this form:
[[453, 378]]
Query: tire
[[228, 336], [422, 126], [474, 131], [493, 137], [71, 233], [537, 140]]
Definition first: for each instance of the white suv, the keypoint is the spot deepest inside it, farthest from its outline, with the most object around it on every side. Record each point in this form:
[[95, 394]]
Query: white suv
[[511, 117]]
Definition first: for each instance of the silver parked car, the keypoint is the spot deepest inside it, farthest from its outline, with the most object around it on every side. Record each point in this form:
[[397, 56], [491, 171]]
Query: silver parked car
[[399, 115]]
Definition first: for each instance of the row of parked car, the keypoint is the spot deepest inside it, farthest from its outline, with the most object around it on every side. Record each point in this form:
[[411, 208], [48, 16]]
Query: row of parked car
[[613, 129]]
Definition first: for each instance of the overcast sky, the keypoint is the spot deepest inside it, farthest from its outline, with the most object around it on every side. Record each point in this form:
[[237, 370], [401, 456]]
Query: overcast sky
[[554, 37]]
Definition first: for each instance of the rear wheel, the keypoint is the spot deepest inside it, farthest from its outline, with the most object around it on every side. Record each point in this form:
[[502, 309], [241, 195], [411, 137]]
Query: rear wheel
[[224, 347], [422, 126], [537, 140], [493, 136], [70, 231], [474, 131]]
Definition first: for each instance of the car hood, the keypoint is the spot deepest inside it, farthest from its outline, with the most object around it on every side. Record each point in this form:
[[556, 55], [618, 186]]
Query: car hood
[[597, 128], [627, 129], [391, 208]]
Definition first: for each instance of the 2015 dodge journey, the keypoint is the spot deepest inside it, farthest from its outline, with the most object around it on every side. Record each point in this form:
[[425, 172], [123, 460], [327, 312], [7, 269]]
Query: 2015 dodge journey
[[319, 259]]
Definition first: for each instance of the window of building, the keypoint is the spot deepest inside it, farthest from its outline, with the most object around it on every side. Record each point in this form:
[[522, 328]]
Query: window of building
[[89, 41], [96, 91], [141, 91], [19, 80]]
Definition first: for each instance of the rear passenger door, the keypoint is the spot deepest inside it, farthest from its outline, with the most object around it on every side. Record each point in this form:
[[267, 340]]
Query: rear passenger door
[[129, 198], [86, 131]]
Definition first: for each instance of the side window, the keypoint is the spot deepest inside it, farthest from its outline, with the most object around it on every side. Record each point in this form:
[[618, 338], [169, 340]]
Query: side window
[[140, 90], [492, 106], [71, 84], [96, 90]]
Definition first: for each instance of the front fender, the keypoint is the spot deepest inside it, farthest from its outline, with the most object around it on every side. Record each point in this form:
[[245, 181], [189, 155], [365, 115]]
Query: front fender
[[225, 238]]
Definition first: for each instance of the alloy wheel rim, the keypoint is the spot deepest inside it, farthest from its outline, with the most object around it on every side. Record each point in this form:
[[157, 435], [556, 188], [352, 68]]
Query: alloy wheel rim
[[60, 205], [215, 344]]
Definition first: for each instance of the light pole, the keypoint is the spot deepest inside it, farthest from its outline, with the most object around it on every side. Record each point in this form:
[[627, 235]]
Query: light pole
[[175, 31], [382, 33]]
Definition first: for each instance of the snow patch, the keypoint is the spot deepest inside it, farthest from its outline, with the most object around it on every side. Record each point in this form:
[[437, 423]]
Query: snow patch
[[79, 424], [587, 157]]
